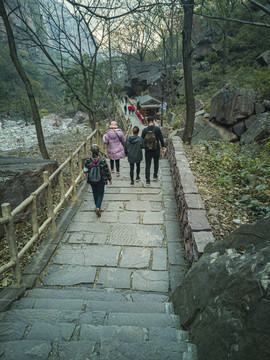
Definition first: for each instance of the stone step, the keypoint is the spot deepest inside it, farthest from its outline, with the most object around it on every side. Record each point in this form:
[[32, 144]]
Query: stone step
[[93, 305], [97, 294], [41, 350], [85, 332], [31, 316]]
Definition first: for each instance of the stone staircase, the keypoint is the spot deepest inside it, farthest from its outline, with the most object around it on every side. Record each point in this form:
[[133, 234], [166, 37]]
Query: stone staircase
[[106, 281], [81, 323]]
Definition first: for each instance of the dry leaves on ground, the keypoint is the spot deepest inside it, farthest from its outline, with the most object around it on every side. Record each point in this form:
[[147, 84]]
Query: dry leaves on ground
[[223, 216]]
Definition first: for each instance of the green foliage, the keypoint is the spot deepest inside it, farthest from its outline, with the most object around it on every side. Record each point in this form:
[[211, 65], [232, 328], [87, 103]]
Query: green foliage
[[242, 170], [258, 79], [81, 82], [212, 57], [178, 73], [13, 97], [176, 124]]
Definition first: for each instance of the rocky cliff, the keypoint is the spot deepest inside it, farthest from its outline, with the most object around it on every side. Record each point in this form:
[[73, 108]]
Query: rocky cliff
[[224, 300]]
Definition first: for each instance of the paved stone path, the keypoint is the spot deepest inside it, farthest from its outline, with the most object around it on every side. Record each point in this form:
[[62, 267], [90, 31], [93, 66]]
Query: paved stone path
[[104, 293]]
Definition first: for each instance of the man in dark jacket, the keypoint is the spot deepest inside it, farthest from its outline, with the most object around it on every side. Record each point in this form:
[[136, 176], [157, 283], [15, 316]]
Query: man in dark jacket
[[98, 188], [133, 150], [152, 152]]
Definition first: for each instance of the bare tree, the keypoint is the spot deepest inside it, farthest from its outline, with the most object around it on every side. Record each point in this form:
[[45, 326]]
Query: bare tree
[[25, 79], [228, 17], [67, 39]]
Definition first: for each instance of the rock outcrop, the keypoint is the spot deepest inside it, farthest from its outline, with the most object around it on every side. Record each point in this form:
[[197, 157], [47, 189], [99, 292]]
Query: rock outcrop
[[224, 300], [264, 58], [228, 107], [234, 116], [79, 118], [19, 177], [258, 130]]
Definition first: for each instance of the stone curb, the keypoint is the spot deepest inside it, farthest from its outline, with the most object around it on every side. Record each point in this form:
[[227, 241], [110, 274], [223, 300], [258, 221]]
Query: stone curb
[[196, 229]]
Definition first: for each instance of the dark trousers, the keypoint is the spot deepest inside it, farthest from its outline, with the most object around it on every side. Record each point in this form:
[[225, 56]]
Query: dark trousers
[[98, 193], [149, 155], [138, 168], [117, 164]]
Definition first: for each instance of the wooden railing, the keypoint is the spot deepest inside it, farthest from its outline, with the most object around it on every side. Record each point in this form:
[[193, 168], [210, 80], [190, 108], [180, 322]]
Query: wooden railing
[[75, 175], [126, 121], [74, 163]]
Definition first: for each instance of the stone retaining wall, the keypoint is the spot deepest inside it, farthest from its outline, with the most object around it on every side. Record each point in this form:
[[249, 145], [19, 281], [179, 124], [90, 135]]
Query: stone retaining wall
[[196, 229]]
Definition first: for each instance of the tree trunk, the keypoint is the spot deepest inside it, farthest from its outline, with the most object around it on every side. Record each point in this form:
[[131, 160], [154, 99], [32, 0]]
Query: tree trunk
[[171, 61], [26, 81], [224, 50], [111, 73], [190, 102]]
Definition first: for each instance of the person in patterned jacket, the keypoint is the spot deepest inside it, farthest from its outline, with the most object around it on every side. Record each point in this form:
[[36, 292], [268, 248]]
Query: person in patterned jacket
[[98, 188]]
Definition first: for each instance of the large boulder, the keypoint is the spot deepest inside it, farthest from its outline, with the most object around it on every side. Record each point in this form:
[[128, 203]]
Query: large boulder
[[224, 300], [52, 117], [212, 132], [199, 105], [19, 177], [258, 131], [266, 104], [171, 118], [229, 106], [202, 135], [79, 118], [264, 58]]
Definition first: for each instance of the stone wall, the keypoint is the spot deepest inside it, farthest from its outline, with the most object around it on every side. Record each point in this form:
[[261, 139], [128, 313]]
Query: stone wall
[[196, 229]]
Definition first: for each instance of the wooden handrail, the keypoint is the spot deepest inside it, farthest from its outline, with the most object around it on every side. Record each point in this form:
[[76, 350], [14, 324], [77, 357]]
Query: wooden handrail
[[76, 175], [8, 216]]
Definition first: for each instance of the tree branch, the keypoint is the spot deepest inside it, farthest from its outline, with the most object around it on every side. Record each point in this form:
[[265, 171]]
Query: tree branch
[[260, 6], [235, 20]]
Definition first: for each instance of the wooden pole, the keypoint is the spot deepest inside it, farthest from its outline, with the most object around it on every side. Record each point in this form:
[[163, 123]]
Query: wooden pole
[[12, 245], [85, 150], [50, 203], [62, 185], [34, 215], [74, 195]]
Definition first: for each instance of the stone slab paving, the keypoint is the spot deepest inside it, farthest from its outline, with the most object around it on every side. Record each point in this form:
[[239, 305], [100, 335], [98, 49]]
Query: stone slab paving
[[131, 246], [138, 229], [109, 280], [63, 275], [135, 257]]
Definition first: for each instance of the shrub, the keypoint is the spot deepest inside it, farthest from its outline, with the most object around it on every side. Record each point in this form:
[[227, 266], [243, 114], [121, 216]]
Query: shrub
[[245, 171], [212, 57]]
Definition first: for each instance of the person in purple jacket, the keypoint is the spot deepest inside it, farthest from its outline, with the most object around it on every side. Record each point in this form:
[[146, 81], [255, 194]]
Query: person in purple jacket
[[115, 140]]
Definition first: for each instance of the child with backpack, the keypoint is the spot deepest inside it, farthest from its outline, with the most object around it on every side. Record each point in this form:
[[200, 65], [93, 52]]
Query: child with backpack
[[133, 150], [152, 137], [98, 175]]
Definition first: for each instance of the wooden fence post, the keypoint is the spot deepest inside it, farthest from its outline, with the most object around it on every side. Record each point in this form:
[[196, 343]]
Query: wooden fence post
[[50, 203], [85, 147], [34, 215], [61, 185], [74, 195], [12, 245], [80, 161]]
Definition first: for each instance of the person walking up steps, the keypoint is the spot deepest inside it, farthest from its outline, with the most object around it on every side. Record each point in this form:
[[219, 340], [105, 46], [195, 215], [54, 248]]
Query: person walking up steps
[[152, 137], [115, 140], [98, 175], [133, 150]]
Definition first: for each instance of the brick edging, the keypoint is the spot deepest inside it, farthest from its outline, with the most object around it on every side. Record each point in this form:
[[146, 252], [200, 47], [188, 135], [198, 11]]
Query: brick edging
[[196, 230]]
